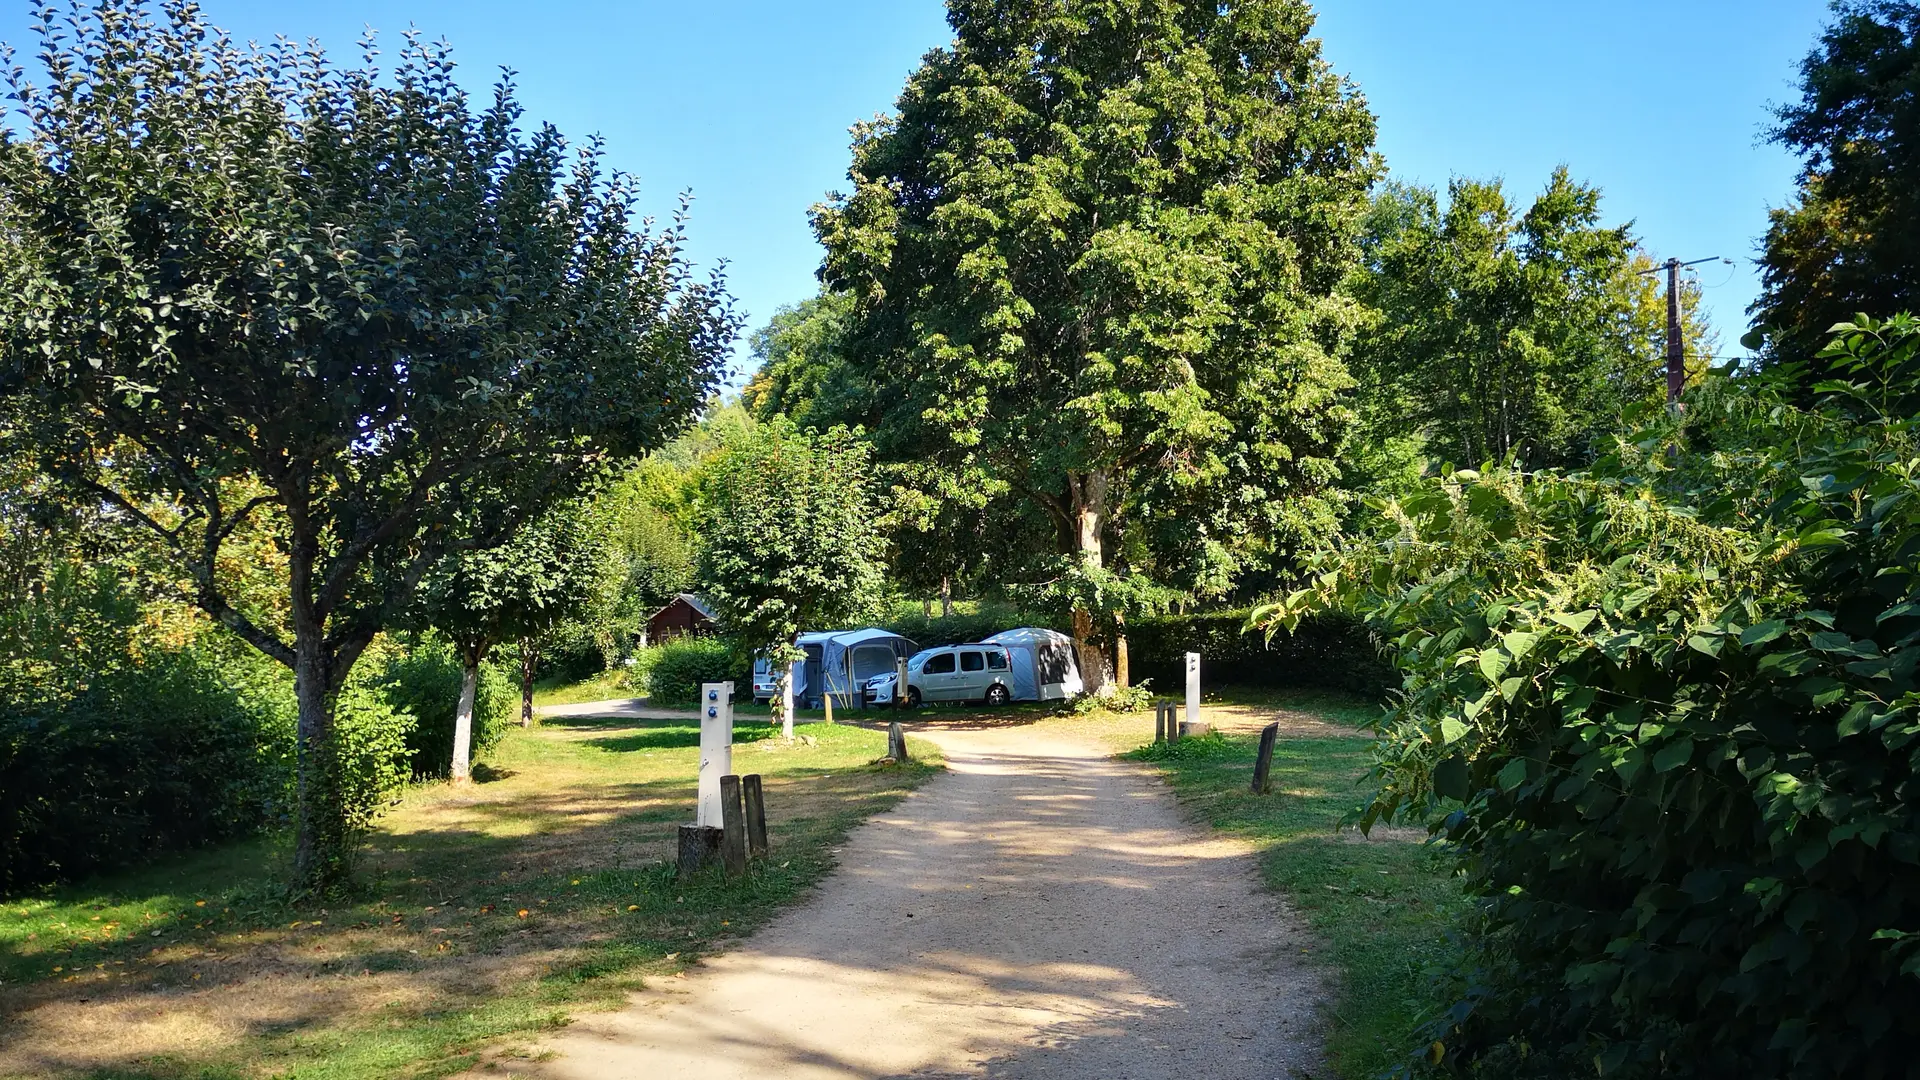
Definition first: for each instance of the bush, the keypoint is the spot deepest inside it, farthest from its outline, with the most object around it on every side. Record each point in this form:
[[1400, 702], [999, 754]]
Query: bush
[[1333, 650], [1667, 712], [679, 667], [424, 682], [163, 756], [372, 751]]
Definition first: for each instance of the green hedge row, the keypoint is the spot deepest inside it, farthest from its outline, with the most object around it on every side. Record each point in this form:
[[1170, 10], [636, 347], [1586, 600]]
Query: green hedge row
[[190, 749], [676, 669], [146, 759], [1332, 651]]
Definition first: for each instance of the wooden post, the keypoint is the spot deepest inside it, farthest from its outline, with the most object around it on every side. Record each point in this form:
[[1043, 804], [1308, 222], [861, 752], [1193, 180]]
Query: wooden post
[[1173, 722], [733, 846], [900, 682], [896, 743], [699, 845], [1263, 764], [829, 706], [1160, 722], [756, 815]]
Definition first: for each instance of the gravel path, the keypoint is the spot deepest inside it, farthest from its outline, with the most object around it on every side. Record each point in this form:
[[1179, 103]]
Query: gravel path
[[1039, 912]]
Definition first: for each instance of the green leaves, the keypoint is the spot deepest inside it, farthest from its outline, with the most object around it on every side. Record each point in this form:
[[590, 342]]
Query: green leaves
[[1665, 711], [1092, 269]]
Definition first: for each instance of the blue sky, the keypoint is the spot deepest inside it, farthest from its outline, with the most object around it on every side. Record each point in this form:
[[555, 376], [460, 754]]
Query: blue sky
[[747, 104]]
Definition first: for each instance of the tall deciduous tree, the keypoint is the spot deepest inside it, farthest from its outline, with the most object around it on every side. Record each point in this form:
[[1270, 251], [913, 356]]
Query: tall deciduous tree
[[1850, 242], [243, 279], [1094, 259], [1497, 333], [788, 540]]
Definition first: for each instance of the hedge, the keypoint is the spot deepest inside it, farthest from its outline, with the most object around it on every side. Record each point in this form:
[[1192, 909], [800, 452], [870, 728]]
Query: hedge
[[143, 760], [1334, 651], [679, 666]]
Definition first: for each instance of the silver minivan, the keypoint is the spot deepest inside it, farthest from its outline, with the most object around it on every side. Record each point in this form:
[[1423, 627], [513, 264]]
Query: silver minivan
[[952, 673]]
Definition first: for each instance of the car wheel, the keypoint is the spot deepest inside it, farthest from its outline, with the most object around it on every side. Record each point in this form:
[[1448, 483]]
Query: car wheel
[[913, 697], [998, 695]]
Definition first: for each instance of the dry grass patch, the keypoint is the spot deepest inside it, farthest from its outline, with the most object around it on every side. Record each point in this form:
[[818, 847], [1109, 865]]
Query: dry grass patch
[[485, 912]]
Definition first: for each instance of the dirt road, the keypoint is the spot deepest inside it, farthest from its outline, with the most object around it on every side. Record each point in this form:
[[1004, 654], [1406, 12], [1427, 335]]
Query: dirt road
[[1039, 912]]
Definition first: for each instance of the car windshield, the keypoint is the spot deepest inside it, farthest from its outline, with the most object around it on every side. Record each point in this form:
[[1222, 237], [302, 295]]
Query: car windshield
[[919, 661]]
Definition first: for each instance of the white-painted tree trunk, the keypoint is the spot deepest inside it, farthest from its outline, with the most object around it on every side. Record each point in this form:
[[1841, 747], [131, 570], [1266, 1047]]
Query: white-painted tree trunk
[[786, 703], [463, 723]]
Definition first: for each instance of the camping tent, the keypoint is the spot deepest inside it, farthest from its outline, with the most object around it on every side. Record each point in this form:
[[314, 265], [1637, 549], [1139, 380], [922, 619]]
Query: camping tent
[[840, 662], [1043, 666]]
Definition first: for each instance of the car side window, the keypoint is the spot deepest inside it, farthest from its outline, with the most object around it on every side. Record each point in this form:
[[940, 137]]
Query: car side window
[[997, 661], [939, 665], [972, 661]]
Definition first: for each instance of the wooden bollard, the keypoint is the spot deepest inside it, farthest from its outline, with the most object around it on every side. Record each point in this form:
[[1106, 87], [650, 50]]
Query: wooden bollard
[[1263, 764], [1159, 721], [829, 706], [1173, 721], [756, 815], [896, 743], [699, 846], [733, 846]]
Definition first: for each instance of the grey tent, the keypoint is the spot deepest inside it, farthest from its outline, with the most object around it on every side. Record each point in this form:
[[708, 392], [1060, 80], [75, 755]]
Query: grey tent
[[840, 662], [1043, 664]]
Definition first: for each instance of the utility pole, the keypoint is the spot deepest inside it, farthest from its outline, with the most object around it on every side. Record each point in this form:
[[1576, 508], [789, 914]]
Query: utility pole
[[1676, 347]]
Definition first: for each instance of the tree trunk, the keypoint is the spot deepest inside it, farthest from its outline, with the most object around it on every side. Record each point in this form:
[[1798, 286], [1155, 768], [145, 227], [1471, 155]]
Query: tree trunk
[[529, 657], [926, 608], [320, 834], [462, 770], [946, 596], [1090, 521], [785, 693], [1120, 674]]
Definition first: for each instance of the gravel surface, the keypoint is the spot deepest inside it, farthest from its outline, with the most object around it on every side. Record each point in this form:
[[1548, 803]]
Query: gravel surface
[[1041, 911]]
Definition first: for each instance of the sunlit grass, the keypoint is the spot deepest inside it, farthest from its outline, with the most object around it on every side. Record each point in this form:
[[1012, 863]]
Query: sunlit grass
[[481, 913]]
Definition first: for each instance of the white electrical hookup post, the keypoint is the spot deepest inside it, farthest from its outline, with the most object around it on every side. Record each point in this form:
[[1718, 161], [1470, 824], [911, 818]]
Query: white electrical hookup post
[[716, 749], [1193, 689]]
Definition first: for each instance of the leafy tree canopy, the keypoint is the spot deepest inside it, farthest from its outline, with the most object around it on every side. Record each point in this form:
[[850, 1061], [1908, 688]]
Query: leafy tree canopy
[[1094, 261], [1850, 242], [241, 280], [1497, 333], [788, 541]]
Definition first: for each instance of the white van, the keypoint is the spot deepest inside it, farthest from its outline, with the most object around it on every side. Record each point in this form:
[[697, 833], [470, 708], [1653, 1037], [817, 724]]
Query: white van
[[951, 673]]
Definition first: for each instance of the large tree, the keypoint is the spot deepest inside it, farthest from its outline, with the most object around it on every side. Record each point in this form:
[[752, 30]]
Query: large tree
[[1094, 259], [788, 541], [242, 281], [1497, 331], [1850, 241]]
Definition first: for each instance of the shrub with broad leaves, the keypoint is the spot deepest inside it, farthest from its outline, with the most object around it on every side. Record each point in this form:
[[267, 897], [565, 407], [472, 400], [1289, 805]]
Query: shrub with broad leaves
[[1664, 711]]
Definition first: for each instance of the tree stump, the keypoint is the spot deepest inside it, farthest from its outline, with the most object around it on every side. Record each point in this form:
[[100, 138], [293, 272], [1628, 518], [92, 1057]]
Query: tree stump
[[699, 847]]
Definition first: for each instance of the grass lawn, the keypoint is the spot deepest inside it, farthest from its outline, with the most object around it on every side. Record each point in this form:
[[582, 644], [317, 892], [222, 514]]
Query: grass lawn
[[606, 686], [1382, 905], [484, 914]]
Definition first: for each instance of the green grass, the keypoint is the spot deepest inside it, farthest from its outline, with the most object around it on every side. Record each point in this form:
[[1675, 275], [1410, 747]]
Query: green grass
[[482, 915], [1382, 906], [606, 686]]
